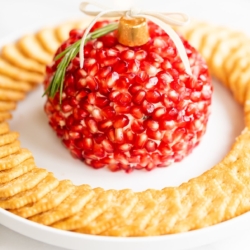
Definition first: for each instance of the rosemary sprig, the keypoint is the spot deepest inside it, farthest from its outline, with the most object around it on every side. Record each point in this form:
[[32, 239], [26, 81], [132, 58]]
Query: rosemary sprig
[[68, 54]]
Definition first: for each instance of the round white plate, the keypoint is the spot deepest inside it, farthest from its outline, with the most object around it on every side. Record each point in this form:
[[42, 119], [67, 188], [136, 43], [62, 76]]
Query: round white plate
[[226, 122]]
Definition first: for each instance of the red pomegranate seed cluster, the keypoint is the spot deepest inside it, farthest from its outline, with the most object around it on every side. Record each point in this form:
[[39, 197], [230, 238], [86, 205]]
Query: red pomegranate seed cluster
[[131, 108]]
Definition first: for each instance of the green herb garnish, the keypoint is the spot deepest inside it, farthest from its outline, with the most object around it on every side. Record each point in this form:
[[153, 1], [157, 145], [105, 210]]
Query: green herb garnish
[[69, 54]]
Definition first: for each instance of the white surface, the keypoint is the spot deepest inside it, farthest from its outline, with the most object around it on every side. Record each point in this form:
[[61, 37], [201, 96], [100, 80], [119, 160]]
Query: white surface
[[16, 15]]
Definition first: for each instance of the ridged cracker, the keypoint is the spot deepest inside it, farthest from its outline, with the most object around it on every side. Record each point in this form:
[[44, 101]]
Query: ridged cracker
[[12, 173], [32, 195], [5, 115], [9, 149], [13, 160], [22, 183], [8, 138], [7, 105], [12, 53], [16, 73], [70, 206], [28, 44], [48, 39], [49, 201], [4, 128], [9, 83]]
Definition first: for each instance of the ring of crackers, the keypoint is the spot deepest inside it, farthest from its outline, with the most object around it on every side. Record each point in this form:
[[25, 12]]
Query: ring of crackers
[[221, 193]]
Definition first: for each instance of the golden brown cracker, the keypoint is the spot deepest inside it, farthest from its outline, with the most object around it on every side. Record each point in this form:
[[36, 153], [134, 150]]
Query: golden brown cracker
[[11, 95], [32, 195], [5, 115], [222, 51], [210, 40], [239, 80], [62, 31], [49, 201], [22, 183], [32, 48], [9, 149], [4, 128], [12, 173], [12, 54], [114, 215], [99, 203], [196, 35], [70, 206], [48, 39], [9, 83], [13, 160], [16, 73], [7, 105], [8, 138], [240, 56]]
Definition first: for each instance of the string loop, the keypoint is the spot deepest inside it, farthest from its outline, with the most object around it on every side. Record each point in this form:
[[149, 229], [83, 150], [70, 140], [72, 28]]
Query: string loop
[[163, 19]]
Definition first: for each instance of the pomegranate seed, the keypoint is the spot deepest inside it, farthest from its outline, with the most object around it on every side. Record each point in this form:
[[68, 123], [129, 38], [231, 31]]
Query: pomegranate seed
[[158, 113], [119, 137], [153, 96], [121, 67], [92, 125], [137, 126], [121, 121], [138, 97], [151, 146], [136, 112], [103, 125], [140, 55], [111, 79], [140, 141], [107, 146], [156, 135], [152, 125]]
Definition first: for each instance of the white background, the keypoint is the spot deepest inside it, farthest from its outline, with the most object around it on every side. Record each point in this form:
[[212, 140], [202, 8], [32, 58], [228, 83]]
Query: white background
[[18, 14]]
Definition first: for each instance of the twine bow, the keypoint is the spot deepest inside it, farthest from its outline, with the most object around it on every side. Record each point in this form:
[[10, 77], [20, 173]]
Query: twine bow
[[164, 20]]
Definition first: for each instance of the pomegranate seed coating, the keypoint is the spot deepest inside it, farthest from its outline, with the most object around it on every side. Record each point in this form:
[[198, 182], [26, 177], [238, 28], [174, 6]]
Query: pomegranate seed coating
[[130, 107]]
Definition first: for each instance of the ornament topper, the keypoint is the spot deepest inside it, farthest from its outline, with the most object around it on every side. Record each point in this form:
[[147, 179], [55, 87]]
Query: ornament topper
[[163, 19]]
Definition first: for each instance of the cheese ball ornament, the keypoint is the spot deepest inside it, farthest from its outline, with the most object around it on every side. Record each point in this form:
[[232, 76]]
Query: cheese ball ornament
[[134, 97]]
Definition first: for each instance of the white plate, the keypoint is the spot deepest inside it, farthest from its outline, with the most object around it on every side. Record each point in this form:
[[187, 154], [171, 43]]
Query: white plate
[[226, 122]]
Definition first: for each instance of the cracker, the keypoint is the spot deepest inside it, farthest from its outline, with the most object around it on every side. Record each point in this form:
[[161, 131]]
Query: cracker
[[7, 105], [16, 73], [12, 53], [9, 149], [5, 115], [4, 128], [49, 201], [70, 206], [99, 203], [115, 215], [62, 31], [48, 39], [31, 195], [8, 83], [8, 138], [195, 35], [13, 160], [12, 173], [239, 81], [240, 55], [210, 40], [11, 95], [31, 47], [22, 183]]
